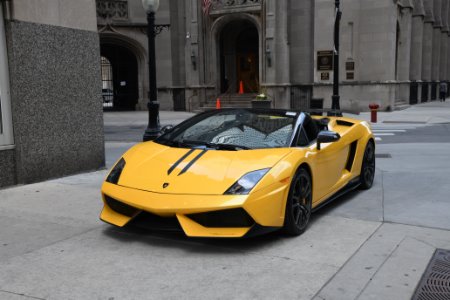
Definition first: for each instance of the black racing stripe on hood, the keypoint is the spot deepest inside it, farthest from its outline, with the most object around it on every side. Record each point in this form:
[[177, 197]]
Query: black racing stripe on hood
[[179, 161], [192, 162]]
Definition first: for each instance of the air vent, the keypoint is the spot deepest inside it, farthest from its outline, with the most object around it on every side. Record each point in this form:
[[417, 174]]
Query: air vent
[[224, 218], [120, 207], [351, 156], [344, 123]]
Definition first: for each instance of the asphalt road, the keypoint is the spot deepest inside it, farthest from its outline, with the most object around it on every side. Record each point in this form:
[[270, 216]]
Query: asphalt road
[[371, 244]]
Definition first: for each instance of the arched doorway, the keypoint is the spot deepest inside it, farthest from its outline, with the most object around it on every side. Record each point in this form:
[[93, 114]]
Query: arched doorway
[[239, 57], [120, 77]]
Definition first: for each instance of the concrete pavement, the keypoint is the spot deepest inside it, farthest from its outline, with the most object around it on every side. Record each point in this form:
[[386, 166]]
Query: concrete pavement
[[368, 245]]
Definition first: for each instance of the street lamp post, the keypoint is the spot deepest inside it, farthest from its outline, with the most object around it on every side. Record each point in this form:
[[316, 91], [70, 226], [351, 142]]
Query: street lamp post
[[335, 106], [153, 128]]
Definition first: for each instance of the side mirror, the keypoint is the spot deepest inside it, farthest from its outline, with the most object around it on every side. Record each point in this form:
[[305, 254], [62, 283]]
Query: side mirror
[[166, 129], [326, 136]]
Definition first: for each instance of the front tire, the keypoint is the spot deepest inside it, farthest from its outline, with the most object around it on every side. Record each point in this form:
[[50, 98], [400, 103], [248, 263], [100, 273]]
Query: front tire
[[368, 167], [298, 204]]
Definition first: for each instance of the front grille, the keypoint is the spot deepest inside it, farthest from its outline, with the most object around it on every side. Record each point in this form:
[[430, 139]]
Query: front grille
[[233, 218], [150, 221], [120, 207]]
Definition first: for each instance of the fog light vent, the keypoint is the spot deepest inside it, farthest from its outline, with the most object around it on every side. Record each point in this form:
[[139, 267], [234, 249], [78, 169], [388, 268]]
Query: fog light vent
[[233, 218], [120, 207]]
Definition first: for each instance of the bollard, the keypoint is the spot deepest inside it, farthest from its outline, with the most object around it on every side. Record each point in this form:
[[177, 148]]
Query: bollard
[[374, 110]]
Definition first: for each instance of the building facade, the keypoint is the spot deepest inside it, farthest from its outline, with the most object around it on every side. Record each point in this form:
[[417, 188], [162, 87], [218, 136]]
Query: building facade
[[51, 116], [393, 53]]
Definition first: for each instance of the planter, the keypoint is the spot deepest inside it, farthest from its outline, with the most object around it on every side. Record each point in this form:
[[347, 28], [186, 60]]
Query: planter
[[261, 104]]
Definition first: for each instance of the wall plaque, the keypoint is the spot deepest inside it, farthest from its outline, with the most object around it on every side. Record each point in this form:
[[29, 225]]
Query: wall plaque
[[325, 76], [324, 60]]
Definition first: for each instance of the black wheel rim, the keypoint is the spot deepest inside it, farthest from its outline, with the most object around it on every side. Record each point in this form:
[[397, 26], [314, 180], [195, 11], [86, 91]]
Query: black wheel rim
[[369, 164], [301, 201]]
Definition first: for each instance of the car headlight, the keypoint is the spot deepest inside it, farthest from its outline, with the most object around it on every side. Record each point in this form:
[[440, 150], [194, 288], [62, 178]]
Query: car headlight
[[114, 175], [247, 182]]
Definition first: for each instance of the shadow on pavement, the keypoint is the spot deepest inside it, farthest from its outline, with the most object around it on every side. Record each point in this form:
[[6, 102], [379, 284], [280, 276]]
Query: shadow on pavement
[[162, 239]]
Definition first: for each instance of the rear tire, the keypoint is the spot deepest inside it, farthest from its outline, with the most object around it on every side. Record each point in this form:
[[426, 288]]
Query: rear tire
[[298, 204], [368, 167]]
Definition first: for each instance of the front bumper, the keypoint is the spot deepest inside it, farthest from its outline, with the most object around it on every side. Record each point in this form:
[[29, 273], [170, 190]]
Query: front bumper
[[198, 215]]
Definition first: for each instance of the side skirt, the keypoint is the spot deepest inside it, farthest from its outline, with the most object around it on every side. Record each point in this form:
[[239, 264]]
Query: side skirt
[[352, 185]]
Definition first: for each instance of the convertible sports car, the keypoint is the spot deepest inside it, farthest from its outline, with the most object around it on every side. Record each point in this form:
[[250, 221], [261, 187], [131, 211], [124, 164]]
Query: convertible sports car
[[239, 172]]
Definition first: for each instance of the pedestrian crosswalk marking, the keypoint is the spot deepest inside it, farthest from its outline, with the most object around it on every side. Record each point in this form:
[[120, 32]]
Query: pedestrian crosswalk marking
[[381, 130], [389, 130]]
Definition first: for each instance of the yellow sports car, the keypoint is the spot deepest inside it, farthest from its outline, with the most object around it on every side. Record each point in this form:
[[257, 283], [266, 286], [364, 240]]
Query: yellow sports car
[[239, 172]]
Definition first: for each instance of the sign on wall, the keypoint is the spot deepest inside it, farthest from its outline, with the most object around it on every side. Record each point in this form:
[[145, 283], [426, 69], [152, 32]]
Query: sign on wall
[[324, 60], [325, 76]]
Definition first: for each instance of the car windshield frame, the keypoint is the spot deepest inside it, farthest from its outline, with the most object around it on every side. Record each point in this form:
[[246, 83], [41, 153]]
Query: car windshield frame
[[174, 137]]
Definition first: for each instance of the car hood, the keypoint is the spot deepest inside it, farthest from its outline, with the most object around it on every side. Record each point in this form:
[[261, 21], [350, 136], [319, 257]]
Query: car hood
[[162, 169]]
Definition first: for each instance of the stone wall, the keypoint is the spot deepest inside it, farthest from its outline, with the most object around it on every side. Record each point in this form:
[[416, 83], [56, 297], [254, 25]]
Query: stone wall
[[56, 100]]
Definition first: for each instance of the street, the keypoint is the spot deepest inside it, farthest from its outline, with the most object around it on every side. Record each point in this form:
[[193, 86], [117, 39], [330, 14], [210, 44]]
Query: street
[[371, 244]]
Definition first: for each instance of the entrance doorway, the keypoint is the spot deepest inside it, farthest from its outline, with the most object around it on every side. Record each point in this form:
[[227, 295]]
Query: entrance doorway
[[120, 88], [239, 57]]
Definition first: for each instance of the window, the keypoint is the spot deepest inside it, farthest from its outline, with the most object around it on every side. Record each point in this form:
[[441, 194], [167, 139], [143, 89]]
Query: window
[[302, 139], [239, 127], [6, 138], [107, 83], [311, 129]]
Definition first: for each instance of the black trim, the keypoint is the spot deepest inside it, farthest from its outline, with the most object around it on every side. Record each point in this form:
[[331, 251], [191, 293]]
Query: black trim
[[154, 222], [120, 207], [257, 230], [344, 123], [228, 218], [353, 184], [179, 161], [351, 156], [192, 162]]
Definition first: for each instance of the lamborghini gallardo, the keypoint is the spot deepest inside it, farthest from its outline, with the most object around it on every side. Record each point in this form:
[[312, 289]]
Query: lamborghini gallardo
[[239, 173]]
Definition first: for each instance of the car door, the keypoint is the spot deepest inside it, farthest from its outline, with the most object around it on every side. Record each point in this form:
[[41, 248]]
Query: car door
[[327, 164]]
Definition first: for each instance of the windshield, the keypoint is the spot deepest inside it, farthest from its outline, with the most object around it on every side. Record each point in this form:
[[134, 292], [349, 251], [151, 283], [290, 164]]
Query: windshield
[[234, 129]]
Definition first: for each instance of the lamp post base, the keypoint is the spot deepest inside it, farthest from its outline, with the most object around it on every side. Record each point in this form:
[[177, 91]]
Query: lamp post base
[[151, 134], [335, 107], [153, 129]]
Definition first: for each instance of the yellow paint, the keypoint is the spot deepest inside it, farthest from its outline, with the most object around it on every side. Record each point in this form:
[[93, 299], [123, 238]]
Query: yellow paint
[[201, 188]]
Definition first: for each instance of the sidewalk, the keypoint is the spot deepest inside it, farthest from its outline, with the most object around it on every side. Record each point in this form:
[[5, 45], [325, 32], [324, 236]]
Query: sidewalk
[[373, 244], [430, 112], [425, 113]]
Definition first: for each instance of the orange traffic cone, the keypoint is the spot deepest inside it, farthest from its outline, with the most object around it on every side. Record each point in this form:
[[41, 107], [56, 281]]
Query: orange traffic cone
[[218, 103], [241, 87]]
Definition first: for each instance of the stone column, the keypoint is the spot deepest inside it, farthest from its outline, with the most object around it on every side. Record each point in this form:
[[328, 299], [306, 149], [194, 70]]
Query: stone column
[[404, 50], [269, 75], [448, 46], [277, 75], [437, 34], [415, 71], [444, 42], [193, 47], [282, 56], [427, 49]]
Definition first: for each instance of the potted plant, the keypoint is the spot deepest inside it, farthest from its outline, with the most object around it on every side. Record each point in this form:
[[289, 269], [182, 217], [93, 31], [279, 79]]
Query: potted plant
[[261, 101]]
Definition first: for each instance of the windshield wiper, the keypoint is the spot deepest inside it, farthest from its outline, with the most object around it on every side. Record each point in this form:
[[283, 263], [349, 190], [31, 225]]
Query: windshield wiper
[[230, 147], [218, 146]]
